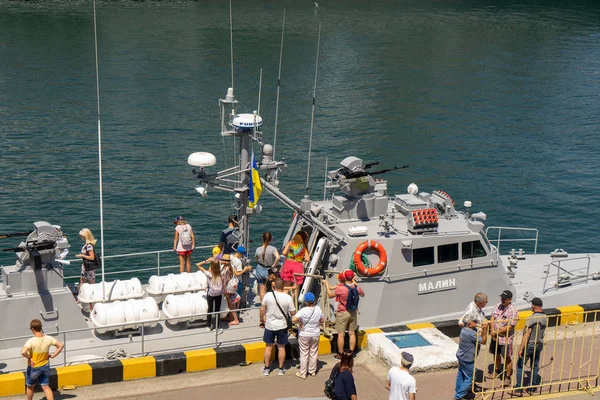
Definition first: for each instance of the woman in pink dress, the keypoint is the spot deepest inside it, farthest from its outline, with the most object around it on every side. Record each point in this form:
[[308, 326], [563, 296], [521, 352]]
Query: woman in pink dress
[[296, 253]]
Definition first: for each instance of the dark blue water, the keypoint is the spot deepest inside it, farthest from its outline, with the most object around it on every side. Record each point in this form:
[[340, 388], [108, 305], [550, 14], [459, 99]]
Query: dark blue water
[[493, 102]]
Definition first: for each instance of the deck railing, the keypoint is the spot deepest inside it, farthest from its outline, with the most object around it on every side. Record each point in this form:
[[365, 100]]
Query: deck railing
[[504, 229]]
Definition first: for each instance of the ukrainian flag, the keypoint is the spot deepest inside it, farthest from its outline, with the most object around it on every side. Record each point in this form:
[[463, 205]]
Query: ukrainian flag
[[254, 186]]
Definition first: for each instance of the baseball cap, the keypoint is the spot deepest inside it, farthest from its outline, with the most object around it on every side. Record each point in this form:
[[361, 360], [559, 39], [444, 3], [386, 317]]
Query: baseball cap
[[507, 294], [219, 256], [537, 302], [407, 358], [216, 250], [226, 257], [309, 297], [179, 218], [241, 250], [349, 274]]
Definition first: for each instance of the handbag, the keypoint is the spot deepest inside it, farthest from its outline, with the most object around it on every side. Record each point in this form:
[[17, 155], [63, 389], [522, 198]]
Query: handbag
[[232, 285], [329, 390], [288, 319]]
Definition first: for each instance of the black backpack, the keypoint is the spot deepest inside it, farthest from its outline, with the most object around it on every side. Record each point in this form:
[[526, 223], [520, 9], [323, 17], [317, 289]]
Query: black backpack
[[329, 390], [353, 298]]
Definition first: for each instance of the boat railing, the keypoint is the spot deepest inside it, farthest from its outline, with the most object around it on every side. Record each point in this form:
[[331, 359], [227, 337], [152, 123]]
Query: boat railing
[[567, 276], [157, 269], [504, 229], [143, 338]]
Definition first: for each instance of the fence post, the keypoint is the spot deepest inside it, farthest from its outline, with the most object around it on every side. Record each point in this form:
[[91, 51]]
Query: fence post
[[143, 338], [217, 317], [65, 349], [158, 261]]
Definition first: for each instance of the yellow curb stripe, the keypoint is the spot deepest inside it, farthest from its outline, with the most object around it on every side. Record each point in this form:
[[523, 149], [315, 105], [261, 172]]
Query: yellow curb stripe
[[324, 345], [138, 368], [422, 325], [363, 336], [575, 314], [78, 375], [200, 360], [255, 352], [523, 315], [12, 384]]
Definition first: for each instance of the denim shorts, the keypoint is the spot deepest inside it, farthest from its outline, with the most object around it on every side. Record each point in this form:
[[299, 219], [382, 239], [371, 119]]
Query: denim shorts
[[40, 375], [261, 274], [281, 335]]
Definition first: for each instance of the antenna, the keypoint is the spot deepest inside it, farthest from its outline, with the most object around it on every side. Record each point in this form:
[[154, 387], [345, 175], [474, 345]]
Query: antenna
[[278, 87], [312, 117], [325, 183], [231, 40], [99, 155], [259, 90]]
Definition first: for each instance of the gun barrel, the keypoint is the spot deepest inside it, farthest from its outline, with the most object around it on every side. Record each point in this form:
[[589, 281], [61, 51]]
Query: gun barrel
[[7, 235]]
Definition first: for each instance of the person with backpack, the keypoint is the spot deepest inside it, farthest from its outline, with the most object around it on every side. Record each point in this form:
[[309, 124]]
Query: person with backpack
[[340, 385], [214, 294], [184, 243], [346, 317], [230, 237], [90, 259]]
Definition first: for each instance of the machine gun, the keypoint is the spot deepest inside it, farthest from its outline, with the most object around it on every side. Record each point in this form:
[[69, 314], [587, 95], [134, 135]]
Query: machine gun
[[360, 173], [33, 246], [14, 234]]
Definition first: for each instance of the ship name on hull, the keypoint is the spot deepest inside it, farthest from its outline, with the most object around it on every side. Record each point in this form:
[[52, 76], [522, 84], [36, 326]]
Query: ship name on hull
[[436, 286]]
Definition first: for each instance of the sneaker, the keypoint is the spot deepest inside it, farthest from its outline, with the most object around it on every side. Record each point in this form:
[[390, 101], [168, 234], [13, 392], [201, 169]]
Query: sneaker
[[516, 393], [265, 371], [281, 372], [299, 375]]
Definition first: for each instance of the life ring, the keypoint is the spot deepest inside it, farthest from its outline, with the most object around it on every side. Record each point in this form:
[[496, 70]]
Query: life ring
[[360, 267]]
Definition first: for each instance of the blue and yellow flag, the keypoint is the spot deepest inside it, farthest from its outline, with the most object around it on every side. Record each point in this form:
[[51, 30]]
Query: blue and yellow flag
[[254, 186]]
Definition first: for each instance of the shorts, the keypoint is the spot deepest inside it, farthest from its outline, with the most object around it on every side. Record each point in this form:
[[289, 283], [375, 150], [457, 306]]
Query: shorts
[[234, 298], [281, 335], [88, 276], [39, 375], [185, 252], [290, 267], [346, 320], [261, 274], [502, 349]]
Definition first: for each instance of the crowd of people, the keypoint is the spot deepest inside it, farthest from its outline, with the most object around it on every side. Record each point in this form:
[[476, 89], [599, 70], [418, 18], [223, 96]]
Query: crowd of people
[[277, 284]]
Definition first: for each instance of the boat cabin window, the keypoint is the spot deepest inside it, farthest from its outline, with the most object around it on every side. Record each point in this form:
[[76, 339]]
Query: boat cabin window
[[424, 256], [473, 249], [448, 253]]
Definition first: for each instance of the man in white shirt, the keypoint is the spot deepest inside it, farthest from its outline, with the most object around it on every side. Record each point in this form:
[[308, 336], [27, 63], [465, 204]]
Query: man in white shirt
[[401, 384], [475, 308], [275, 308]]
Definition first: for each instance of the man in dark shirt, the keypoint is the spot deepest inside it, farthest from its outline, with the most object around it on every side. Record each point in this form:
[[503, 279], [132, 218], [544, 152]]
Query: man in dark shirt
[[466, 353], [531, 347], [229, 240]]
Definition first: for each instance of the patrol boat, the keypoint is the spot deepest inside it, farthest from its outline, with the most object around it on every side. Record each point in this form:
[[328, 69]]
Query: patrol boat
[[417, 256]]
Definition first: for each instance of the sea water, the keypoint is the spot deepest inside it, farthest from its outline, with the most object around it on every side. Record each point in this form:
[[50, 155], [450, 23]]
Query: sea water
[[496, 103]]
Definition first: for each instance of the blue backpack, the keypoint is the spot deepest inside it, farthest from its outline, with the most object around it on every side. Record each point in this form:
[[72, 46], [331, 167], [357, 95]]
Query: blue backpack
[[353, 298]]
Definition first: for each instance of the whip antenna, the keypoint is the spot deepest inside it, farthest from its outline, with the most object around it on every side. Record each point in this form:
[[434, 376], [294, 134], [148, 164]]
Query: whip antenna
[[231, 39], [278, 87], [312, 117], [99, 154], [259, 91]]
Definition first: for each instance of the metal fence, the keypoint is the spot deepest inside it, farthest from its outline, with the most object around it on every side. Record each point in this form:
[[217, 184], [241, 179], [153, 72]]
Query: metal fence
[[566, 357]]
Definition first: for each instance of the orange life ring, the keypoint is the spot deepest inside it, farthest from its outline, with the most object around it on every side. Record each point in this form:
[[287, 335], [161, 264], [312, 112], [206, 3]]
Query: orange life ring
[[360, 267]]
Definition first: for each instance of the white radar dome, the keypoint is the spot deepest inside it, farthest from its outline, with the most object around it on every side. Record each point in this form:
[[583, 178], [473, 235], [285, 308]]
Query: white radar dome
[[412, 189], [202, 159], [246, 122]]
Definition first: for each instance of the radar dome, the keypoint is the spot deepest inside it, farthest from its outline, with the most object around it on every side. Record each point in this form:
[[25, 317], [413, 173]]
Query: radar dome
[[202, 159], [412, 189]]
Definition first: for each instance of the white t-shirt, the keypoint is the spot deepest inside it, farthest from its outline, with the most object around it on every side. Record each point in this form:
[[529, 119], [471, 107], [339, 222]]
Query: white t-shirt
[[275, 320], [236, 264], [401, 384], [310, 317]]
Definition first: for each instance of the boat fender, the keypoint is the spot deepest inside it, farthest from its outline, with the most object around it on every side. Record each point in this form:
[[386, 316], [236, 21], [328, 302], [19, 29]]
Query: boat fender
[[360, 266]]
